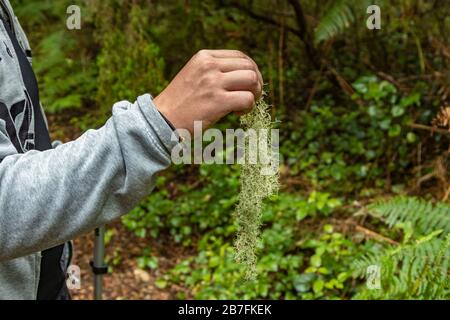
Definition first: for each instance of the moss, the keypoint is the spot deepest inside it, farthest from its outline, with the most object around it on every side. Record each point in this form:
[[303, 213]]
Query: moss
[[255, 187]]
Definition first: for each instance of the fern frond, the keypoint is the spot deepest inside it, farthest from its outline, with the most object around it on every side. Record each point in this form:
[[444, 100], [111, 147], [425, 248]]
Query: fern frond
[[418, 270], [337, 19], [423, 215]]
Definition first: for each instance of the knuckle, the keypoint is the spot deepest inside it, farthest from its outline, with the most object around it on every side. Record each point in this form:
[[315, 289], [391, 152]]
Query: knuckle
[[219, 95], [253, 63], [202, 54], [253, 77], [248, 100], [207, 80], [240, 53], [209, 64], [248, 65]]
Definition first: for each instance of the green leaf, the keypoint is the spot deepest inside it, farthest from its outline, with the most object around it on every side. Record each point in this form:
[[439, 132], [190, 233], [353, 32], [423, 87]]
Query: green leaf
[[318, 286], [328, 228], [316, 261], [411, 137], [161, 283], [395, 130], [410, 100], [302, 282], [397, 111]]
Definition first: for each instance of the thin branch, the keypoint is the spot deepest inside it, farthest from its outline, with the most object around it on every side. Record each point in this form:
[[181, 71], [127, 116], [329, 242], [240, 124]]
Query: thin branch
[[447, 194], [428, 128], [259, 17], [314, 56], [304, 33], [301, 21], [373, 235]]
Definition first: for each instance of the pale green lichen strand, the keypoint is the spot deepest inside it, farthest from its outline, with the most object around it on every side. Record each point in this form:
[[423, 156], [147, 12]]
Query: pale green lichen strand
[[255, 187]]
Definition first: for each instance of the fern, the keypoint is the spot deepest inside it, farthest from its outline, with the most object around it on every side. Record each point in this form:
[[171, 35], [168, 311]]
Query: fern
[[417, 268], [338, 18], [423, 215]]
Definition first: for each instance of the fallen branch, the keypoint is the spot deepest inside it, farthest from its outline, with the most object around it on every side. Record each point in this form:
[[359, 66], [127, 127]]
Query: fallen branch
[[372, 234], [429, 128], [446, 195]]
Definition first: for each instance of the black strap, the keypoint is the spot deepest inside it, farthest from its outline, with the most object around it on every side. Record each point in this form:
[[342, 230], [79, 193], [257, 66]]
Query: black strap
[[98, 270], [52, 276]]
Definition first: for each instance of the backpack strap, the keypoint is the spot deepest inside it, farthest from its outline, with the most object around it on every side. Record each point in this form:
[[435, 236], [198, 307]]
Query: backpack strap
[[52, 283]]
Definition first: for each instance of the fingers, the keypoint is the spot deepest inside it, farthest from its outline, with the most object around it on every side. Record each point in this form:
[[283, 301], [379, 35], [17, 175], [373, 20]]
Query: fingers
[[240, 102], [243, 80], [233, 64], [227, 54], [234, 54]]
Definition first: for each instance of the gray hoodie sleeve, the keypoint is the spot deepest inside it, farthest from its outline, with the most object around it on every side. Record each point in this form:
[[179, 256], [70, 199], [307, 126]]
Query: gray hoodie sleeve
[[47, 198]]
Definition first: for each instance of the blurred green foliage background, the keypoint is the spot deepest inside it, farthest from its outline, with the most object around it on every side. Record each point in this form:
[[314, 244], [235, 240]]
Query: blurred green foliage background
[[354, 107]]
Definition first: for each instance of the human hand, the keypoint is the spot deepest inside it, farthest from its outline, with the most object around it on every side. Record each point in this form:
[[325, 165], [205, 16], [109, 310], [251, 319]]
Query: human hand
[[211, 85]]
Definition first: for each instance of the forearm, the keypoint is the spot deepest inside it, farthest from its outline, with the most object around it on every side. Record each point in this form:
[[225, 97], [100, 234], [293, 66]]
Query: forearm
[[47, 198]]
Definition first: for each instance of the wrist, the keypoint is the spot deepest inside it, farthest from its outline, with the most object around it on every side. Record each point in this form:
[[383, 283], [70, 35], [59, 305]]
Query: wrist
[[164, 111]]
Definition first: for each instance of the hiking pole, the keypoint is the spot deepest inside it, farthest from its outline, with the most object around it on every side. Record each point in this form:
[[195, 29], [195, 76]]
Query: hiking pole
[[99, 268]]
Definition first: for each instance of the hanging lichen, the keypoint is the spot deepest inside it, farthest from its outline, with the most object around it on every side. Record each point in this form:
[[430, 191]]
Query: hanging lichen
[[255, 187]]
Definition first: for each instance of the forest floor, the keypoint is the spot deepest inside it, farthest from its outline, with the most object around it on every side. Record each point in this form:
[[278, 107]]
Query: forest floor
[[126, 280]]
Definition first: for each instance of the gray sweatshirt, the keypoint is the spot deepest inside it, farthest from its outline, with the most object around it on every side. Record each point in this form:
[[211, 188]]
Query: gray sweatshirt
[[50, 197]]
